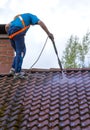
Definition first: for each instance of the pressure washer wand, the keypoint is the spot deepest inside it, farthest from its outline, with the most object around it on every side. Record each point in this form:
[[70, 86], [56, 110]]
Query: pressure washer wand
[[64, 78], [59, 62]]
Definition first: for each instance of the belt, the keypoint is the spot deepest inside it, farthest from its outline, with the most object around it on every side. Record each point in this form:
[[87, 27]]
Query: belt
[[20, 31]]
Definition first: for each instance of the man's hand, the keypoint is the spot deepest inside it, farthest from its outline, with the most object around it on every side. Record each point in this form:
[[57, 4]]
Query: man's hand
[[44, 27], [51, 36]]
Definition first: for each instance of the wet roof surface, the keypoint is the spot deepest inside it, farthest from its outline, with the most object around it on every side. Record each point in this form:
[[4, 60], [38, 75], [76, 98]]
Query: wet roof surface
[[46, 101]]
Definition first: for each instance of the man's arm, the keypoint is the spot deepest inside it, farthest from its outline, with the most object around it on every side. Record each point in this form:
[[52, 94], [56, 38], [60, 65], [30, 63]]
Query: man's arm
[[7, 27], [43, 26]]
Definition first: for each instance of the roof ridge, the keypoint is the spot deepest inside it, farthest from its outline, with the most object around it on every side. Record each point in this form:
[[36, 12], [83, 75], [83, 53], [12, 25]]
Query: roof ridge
[[56, 69], [50, 70]]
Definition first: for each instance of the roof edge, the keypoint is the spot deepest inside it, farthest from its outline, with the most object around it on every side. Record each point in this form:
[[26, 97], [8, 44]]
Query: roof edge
[[4, 36], [50, 70], [56, 69]]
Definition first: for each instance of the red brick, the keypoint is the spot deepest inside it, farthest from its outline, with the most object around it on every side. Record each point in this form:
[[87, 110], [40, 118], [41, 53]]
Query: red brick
[[6, 55], [4, 68]]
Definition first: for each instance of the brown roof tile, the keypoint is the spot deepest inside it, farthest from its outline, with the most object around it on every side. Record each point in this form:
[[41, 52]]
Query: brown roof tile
[[46, 100]]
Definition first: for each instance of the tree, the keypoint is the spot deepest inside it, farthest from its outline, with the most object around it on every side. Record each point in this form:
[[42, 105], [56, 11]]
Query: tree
[[70, 53], [84, 49], [75, 52]]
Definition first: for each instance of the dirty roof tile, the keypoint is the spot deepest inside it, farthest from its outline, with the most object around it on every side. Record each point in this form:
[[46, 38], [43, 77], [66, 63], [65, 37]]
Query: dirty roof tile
[[46, 100]]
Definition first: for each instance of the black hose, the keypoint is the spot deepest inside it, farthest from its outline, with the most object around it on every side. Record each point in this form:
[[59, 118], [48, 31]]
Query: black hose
[[39, 54], [59, 62]]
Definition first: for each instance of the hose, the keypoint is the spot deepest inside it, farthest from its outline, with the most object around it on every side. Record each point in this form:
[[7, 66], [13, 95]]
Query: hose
[[59, 62], [39, 54]]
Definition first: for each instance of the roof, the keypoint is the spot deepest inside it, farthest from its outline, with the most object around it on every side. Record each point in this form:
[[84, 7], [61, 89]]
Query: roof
[[46, 100]]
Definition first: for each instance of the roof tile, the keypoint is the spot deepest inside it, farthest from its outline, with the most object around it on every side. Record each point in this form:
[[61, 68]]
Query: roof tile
[[85, 123], [74, 117], [46, 101], [64, 117], [85, 116], [75, 123], [65, 123]]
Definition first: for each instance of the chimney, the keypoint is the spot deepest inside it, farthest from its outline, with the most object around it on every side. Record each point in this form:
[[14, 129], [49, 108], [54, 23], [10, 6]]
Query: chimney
[[6, 51]]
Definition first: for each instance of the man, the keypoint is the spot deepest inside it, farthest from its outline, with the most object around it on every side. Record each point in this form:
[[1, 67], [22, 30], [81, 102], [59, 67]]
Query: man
[[16, 30]]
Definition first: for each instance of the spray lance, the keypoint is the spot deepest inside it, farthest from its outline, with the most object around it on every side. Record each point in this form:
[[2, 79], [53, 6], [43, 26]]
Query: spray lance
[[59, 62]]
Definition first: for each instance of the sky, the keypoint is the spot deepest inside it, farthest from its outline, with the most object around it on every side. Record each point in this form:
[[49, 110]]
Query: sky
[[63, 19]]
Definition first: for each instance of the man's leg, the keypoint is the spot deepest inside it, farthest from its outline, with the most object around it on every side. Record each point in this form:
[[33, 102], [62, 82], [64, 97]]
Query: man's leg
[[12, 70], [20, 52], [14, 47]]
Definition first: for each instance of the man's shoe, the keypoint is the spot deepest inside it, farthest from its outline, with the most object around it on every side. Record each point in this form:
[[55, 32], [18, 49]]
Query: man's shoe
[[12, 72], [19, 76]]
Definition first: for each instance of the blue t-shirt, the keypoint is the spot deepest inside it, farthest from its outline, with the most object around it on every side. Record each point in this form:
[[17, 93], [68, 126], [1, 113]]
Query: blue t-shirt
[[29, 19]]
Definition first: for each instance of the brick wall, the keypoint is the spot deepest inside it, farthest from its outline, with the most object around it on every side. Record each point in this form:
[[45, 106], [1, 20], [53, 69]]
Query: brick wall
[[6, 54]]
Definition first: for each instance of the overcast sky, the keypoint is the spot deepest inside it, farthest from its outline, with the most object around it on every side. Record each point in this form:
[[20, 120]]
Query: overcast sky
[[62, 17]]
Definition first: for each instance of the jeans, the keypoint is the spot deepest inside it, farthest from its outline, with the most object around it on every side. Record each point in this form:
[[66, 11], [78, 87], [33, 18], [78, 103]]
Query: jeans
[[19, 47]]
